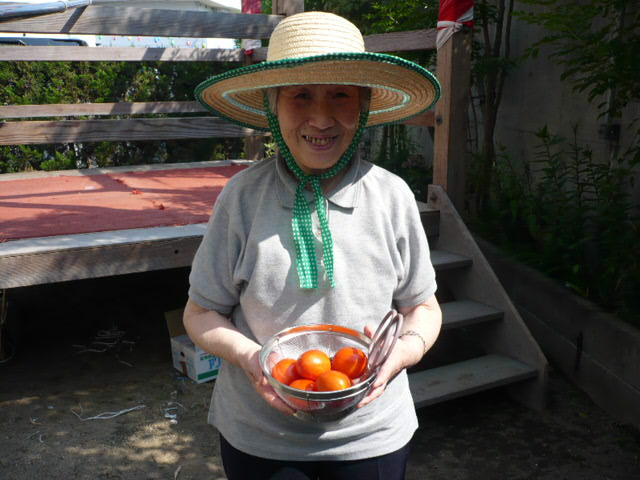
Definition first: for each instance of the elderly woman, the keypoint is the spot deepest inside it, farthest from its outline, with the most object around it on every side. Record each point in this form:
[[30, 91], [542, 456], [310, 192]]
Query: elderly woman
[[314, 235]]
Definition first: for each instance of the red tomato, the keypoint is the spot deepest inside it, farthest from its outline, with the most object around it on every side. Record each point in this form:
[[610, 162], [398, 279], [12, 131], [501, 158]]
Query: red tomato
[[285, 371], [332, 380], [351, 361], [302, 384], [301, 403], [312, 363]]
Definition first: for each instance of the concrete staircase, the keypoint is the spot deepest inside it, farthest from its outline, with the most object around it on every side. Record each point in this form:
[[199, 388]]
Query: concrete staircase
[[484, 342]]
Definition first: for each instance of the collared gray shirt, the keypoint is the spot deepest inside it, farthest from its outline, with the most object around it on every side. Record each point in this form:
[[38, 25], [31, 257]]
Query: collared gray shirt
[[245, 269]]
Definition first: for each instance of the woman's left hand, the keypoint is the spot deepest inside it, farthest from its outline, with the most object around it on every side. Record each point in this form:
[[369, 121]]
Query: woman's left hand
[[402, 356], [426, 320]]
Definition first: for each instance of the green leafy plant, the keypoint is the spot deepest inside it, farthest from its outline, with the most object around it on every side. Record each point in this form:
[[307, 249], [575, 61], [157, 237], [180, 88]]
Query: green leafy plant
[[597, 42], [491, 64], [572, 217], [398, 154], [31, 83]]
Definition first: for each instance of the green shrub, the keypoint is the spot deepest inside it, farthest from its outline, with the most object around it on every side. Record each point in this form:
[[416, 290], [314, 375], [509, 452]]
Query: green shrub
[[573, 218], [34, 83]]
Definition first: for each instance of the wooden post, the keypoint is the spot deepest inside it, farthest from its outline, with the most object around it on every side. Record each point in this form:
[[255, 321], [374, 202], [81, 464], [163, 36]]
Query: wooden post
[[450, 143], [287, 7], [254, 146]]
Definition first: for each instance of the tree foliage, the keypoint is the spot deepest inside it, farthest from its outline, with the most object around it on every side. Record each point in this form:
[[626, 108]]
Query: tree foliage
[[491, 64], [597, 43]]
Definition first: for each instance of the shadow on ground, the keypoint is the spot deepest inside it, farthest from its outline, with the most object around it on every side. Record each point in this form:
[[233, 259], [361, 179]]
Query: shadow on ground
[[52, 387]]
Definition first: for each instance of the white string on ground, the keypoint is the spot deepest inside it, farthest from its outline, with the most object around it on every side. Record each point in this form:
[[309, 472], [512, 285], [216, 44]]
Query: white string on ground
[[106, 415]]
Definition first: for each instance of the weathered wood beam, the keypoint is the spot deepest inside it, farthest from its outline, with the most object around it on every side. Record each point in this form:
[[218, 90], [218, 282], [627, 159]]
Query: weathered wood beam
[[426, 119], [147, 22], [69, 131], [134, 108], [450, 140], [385, 42], [91, 109], [401, 41], [119, 54]]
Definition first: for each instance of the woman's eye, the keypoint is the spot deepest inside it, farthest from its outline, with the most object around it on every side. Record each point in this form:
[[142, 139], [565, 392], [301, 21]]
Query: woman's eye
[[301, 96]]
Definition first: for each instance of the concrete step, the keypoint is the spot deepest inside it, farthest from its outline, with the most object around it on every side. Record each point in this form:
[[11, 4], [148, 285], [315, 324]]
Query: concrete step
[[443, 260], [462, 313], [465, 378], [430, 219]]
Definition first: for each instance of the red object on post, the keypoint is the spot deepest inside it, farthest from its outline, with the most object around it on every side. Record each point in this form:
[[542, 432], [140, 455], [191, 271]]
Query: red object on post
[[453, 16], [251, 6]]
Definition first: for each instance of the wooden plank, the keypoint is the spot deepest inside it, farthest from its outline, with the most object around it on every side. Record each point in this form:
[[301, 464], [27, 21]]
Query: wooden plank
[[384, 42], [119, 54], [148, 22], [83, 172], [443, 260], [462, 313], [450, 141], [387, 42], [401, 41], [465, 378], [510, 336], [426, 119], [77, 257], [132, 108], [69, 131], [119, 108]]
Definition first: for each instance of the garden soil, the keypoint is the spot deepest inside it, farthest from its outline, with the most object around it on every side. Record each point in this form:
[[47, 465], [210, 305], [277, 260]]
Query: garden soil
[[71, 408]]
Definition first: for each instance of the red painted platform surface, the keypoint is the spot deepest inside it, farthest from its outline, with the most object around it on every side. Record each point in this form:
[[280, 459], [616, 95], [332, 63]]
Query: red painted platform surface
[[71, 204]]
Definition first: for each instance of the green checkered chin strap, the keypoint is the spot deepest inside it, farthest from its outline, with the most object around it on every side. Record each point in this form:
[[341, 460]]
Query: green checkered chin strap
[[301, 223]]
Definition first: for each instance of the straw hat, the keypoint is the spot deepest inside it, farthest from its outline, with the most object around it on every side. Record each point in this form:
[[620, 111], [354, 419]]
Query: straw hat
[[321, 48]]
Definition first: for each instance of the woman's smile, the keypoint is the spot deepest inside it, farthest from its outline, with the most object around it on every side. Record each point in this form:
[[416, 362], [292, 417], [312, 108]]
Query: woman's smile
[[319, 142]]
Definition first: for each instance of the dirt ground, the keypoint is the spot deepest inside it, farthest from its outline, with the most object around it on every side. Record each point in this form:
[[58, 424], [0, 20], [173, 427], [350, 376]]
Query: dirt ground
[[53, 389]]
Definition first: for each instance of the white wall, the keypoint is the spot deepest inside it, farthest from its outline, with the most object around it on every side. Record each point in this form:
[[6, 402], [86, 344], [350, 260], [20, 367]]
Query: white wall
[[534, 96]]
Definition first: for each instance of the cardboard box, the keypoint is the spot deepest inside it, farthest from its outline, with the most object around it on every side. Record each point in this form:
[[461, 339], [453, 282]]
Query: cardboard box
[[188, 358]]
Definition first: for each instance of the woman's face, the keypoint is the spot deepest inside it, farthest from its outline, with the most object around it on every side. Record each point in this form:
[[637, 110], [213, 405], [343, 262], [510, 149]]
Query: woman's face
[[318, 123]]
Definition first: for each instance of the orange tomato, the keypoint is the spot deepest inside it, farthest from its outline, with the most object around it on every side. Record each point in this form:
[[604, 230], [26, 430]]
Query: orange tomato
[[301, 403], [285, 371], [302, 384], [350, 361], [332, 380], [312, 363]]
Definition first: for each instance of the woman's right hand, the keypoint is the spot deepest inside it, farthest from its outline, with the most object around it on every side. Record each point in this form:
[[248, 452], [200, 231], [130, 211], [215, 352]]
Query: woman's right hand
[[215, 334], [251, 366]]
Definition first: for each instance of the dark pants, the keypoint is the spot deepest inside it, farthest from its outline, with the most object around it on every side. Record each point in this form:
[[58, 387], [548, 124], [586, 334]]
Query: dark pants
[[242, 466]]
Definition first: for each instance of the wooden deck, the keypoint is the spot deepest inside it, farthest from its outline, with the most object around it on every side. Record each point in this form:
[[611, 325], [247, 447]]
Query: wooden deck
[[81, 224]]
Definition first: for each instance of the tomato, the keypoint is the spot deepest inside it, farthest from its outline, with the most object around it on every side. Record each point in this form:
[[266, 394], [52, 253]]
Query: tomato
[[332, 380], [301, 403], [302, 384], [350, 361], [312, 363], [285, 371]]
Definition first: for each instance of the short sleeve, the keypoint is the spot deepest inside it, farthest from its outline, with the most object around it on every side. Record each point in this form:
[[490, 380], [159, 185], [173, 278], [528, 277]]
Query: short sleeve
[[211, 283], [417, 282]]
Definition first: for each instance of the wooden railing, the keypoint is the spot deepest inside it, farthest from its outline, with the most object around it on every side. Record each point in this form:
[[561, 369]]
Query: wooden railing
[[448, 119]]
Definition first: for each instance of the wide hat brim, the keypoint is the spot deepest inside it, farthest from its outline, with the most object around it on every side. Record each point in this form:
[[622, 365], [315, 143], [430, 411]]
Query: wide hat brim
[[400, 89]]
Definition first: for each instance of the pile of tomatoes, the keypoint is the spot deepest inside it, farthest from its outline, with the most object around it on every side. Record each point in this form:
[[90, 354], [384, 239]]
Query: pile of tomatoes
[[314, 370]]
